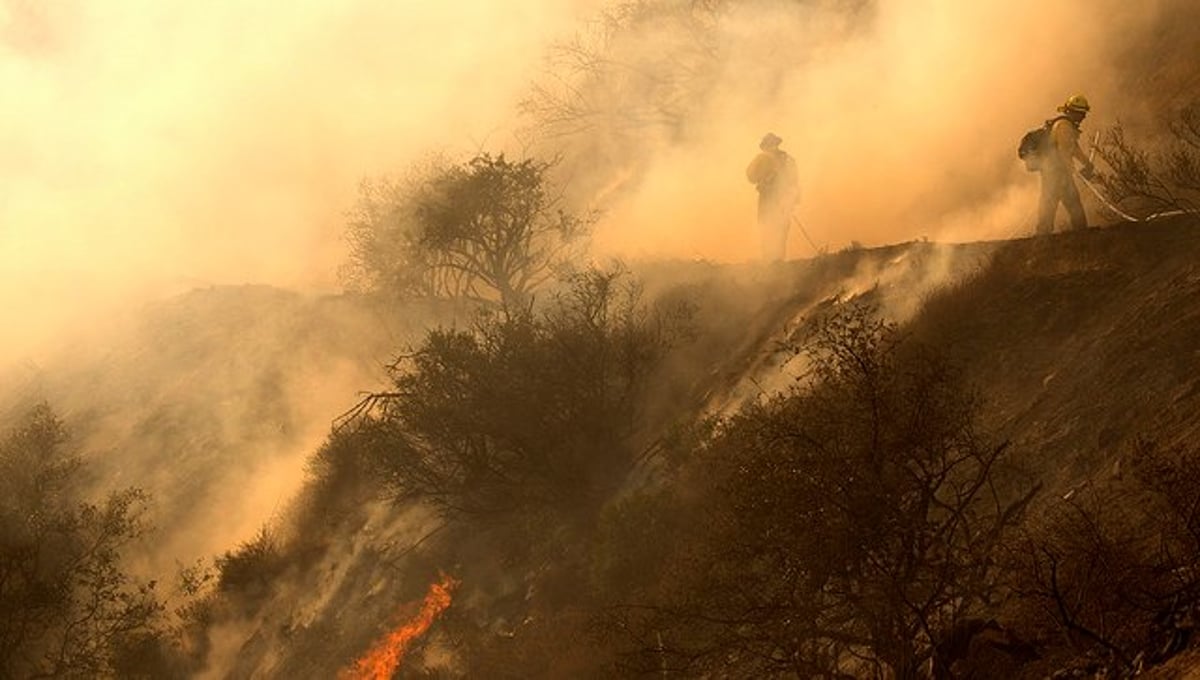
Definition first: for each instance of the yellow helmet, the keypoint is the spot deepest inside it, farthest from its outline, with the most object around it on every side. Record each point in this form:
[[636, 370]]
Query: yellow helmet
[[1077, 103]]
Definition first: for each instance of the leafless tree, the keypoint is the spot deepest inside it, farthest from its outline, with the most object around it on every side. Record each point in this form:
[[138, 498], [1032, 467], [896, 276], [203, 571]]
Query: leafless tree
[[838, 530], [640, 65], [1113, 564], [1158, 181]]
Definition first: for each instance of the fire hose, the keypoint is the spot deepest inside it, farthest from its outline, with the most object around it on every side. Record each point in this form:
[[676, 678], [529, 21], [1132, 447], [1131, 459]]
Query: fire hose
[[804, 232], [1124, 215], [1107, 203], [1087, 182]]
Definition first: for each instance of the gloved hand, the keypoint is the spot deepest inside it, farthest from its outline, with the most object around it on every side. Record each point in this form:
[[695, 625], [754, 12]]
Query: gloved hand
[[1088, 171]]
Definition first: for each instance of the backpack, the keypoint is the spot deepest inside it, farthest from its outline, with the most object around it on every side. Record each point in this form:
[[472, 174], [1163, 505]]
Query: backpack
[[1034, 145]]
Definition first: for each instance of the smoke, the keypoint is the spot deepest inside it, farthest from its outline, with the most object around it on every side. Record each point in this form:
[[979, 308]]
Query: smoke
[[151, 146], [154, 146], [903, 119], [211, 402]]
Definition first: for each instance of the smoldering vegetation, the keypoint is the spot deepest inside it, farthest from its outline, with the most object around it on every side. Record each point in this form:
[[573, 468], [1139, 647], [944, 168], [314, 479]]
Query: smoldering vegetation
[[210, 399], [663, 468], [873, 516], [882, 513]]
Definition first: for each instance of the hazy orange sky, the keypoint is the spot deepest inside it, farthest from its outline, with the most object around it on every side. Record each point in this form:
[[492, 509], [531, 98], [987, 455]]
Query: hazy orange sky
[[157, 145], [151, 145], [148, 147]]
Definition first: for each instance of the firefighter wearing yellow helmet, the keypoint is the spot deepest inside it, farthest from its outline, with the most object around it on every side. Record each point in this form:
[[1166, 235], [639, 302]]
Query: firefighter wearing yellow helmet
[[1058, 166], [773, 173]]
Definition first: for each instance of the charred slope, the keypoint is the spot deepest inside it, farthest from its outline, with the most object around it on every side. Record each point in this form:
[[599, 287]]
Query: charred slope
[[344, 564], [1082, 342], [1085, 346]]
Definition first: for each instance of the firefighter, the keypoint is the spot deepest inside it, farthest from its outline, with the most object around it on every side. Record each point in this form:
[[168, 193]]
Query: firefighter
[[773, 173], [1058, 167]]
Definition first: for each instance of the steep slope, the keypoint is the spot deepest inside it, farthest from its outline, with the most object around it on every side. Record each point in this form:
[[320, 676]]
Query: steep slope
[[210, 401], [325, 607], [1080, 343], [1083, 341]]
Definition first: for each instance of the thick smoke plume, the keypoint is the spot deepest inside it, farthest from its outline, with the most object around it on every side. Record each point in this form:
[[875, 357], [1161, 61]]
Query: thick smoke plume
[[903, 117], [154, 147]]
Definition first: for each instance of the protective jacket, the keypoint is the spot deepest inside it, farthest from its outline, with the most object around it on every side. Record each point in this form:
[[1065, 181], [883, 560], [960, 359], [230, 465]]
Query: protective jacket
[[1058, 183], [768, 167], [776, 178], [1064, 145]]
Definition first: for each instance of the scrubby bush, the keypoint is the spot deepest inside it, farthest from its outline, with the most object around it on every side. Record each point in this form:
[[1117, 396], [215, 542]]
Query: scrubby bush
[[840, 529], [1112, 564], [1160, 180], [251, 569], [491, 230], [530, 410]]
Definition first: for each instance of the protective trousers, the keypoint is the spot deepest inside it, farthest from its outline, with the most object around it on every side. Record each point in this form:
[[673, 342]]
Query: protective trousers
[[1059, 187], [774, 219]]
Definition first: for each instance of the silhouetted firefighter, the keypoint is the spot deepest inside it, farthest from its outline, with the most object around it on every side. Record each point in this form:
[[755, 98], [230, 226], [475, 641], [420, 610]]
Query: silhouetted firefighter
[[773, 172], [1052, 150]]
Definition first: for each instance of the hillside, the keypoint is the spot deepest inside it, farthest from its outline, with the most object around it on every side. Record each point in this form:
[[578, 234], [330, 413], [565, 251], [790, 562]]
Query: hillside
[[1109, 313], [1081, 346], [560, 421], [212, 399]]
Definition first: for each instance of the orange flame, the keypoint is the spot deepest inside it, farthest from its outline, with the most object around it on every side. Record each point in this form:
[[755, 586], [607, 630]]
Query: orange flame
[[382, 659]]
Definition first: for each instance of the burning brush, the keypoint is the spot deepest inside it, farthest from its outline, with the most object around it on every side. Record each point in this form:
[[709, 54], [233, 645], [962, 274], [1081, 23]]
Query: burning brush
[[384, 657]]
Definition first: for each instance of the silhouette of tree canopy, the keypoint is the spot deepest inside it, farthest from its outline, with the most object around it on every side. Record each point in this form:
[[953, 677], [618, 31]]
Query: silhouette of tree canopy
[[489, 230], [67, 609], [534, 409]]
